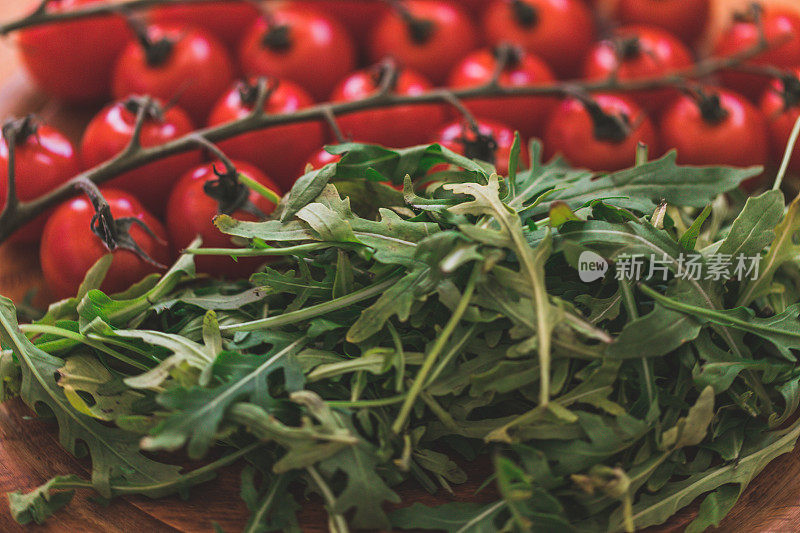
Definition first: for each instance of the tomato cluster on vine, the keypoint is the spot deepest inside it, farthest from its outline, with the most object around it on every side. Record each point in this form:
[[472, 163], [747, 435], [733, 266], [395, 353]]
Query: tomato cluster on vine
[[201, 64]]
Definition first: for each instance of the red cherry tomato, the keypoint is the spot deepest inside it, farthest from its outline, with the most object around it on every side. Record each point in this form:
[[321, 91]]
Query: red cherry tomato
[[686, 19], [780, 27], [392, 126], [583, 133], [279, 151], [780, 106], [461, 138], [639, 52], [69, 247], [559, 31], [223, 19], [190, 212], [524, 113], [357, 16], [44, 159], [179, 63], [322, 157], [71, 60], [111, 130], [429, 37], [300, 45], [723, 128]]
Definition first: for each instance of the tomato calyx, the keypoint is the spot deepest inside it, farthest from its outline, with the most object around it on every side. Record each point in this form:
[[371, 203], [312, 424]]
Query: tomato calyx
[[278, 37], [479, 145], [507, 55], [790, 91], [526, 15], [614, 128], [419, 30], [385, 74], [230, 194], [152, 109], [628, 48], [751, 15], [116, 232], [709, 104], [18, 131], [156, 51], [249, 90]]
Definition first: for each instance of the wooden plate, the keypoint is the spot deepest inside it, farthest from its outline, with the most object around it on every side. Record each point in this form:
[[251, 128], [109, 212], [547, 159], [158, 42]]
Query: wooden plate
[[30, 453]]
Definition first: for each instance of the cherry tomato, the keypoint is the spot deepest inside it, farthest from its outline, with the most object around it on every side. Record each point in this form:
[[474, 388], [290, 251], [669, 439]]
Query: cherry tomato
[[279, 151], [493, 145], [559, 31], [71, 60], [638, 52], [44, 159], [686, 19], [601, 133], [524, 113], [780, 27], [225, 20], [191, 210], [109, 133], [69, 247], [428, 36], [184, 64], [357, 16], [398, 126], [300, 45], [716, 128], [322, 157], [780, 106]]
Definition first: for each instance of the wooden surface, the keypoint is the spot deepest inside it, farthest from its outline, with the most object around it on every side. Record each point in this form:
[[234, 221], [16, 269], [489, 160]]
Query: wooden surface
[[30, 453]]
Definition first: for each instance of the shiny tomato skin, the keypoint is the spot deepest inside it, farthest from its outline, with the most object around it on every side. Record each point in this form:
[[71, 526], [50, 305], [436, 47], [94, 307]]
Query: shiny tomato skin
[[322, 157], [357, 16], [739, 140], [744, 35], [225, 20], [279, 151], [524, 113], [318, 54], [453, 35], [190, 212], [561, 32], [780, 121], [43, 161], [451, 135], [195, 74], [72, 60], [109, 133], [659, 54], [69, 247], [686, 19], [570, 132], [397, 126]]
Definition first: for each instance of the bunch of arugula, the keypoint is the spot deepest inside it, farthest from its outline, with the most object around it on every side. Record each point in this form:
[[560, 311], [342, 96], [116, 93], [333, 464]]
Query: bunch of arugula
[[395, 335]]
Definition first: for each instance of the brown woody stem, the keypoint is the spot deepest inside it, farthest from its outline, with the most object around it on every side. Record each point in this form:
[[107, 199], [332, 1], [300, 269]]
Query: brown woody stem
[[136, 156]]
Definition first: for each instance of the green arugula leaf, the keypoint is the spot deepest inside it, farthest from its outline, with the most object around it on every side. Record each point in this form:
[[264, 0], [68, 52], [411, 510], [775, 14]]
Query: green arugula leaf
[[455, 517], [196, 413], [115, 454]]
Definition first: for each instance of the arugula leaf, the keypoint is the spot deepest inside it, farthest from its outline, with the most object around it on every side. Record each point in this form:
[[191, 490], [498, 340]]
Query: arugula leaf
[[638, 188], [39, 504], [196, 412], [115, 454], [455, 517]]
